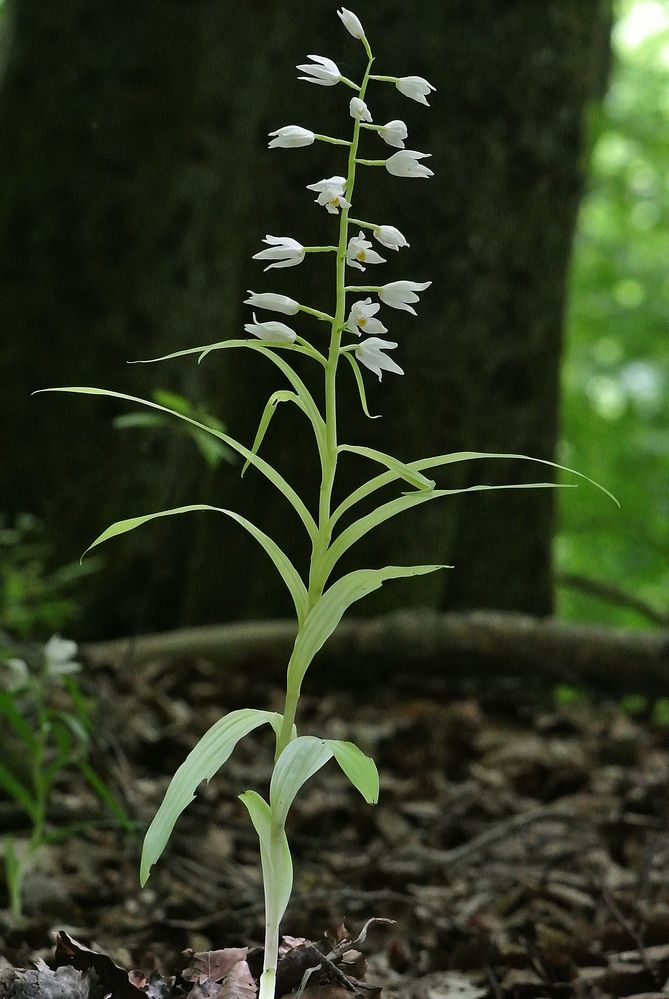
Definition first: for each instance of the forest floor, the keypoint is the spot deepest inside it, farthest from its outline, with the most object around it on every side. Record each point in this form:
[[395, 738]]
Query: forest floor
[[521, 848]]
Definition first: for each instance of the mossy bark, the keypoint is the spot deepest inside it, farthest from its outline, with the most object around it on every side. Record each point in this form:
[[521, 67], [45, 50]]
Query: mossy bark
[[135, 186]]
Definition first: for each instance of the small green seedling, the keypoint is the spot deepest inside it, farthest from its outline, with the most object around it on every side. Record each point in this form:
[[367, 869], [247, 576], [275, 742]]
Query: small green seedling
[[46, 732], [349, 334]]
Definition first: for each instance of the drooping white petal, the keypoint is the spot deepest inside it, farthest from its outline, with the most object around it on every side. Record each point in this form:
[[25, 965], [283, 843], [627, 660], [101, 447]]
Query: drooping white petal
[[370, 352], [359, 109], [398, 294], [321, 70], [360, 252], [275, 303], [275, 331], [331, 194], [361, 318], [394, 133], [389, 236], [351, 22], [291, 137], [405, 164], [415, 87], [283, 250]]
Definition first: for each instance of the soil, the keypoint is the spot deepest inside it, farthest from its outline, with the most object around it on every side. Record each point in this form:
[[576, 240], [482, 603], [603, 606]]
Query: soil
[[522, 848]]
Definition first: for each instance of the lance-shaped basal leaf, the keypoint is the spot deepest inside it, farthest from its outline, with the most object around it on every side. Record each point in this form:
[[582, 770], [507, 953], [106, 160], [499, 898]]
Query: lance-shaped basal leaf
[[325, 615], [401, 470], [277, 865], [304, 756], [298, 762], [201, 764], [263, 466], [282, 563], [359, 768]]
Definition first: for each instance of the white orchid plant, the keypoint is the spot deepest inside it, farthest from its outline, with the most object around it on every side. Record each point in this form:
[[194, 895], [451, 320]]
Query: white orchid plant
[[356, 335]]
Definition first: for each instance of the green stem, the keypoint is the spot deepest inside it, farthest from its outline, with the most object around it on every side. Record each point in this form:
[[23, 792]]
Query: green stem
[[375, 163], [320, 249], [385, 79], [317, 313], [321, 543], [363, 225]]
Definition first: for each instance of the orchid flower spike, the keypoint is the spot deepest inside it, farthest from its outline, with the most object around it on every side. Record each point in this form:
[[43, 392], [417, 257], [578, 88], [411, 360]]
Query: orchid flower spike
[[285, 251], [321, 70], [370, 352], [351, 22], [359, 110], [360, 252], [272, 330], [405, 164], [275, 303], [360, 318], [290, 137], [394, 133], [415, 87], [398, 294], [389, 236], [331, 194]]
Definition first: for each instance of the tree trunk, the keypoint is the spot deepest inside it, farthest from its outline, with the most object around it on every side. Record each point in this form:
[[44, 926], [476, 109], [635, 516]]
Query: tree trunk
[[135, 187]]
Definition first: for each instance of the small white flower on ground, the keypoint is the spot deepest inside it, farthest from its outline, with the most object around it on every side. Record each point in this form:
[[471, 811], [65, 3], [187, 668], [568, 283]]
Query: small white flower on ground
[[331, 194], [283, 250], [405, 164], [360, 318], [359, 109], [394, 133], [59, 656], [275, 303], [415, 87], [389, 236], [398, 294], [291, 137], [322, 71], [351, 22], [370, 352], [272, 330], [360, 252]]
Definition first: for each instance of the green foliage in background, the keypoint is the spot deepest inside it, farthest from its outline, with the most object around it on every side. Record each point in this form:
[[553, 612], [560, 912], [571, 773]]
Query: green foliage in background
[[616, 372]]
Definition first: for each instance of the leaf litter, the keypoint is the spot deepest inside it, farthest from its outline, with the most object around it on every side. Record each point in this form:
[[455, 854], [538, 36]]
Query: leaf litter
[[522, 850]]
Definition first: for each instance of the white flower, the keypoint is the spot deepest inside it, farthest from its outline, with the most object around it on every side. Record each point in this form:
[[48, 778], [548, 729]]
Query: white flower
[[331, 193], [405, 164], [351, 23], [272, 330], [399, 293], [394, 133], [360, 318], [276, 303], [59, 656], [285, 251], [290, 137], [322, 71], [415, 87], [370, 353], [359, 109], [360, 252], [389, 236]]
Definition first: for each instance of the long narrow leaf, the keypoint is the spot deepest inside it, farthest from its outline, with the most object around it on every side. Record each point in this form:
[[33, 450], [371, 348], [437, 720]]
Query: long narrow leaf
[[267, 470], [201, 764], [437, 461], [360, 527], [326, 614], [18, 791], [399, 468], [282, 395], [16, 720], [106, 796], [299, 761], [360, 769], [282, 563], [359, 381]]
